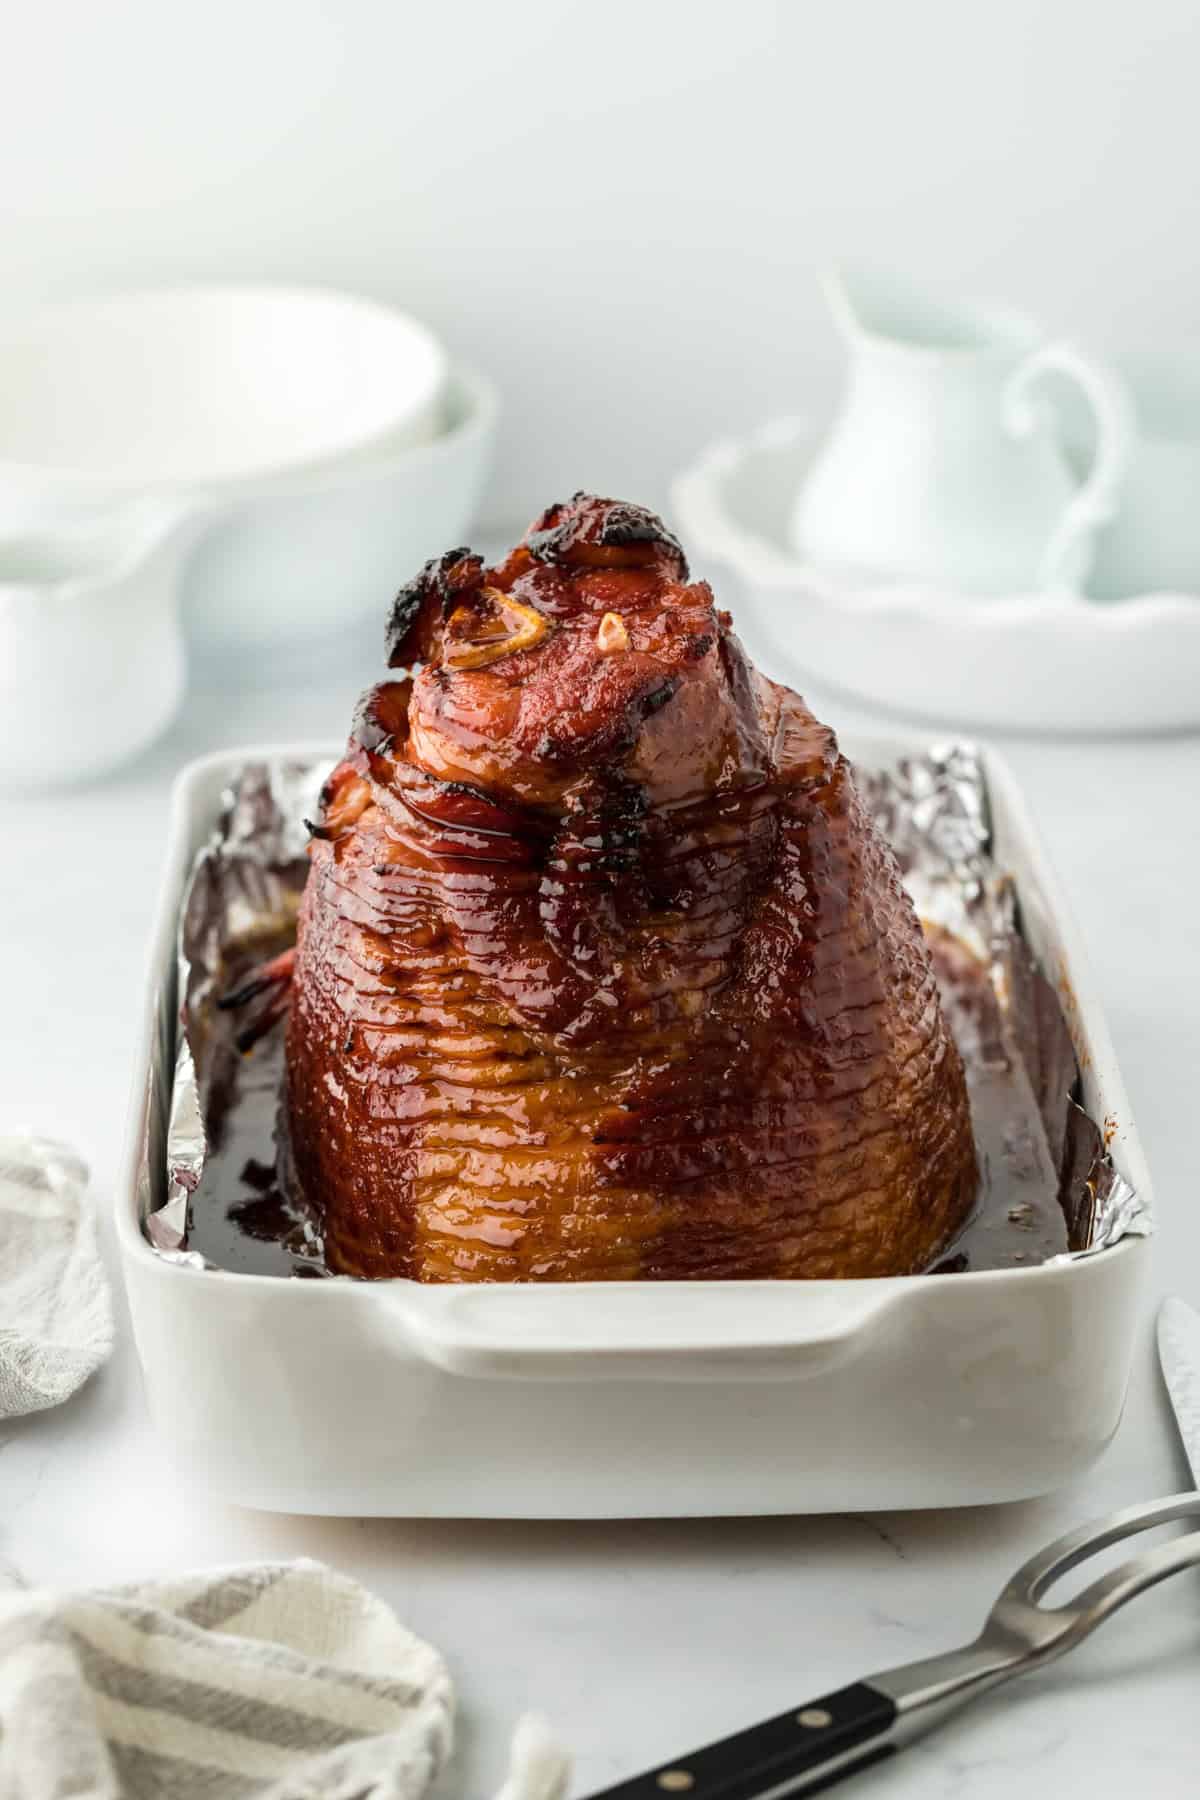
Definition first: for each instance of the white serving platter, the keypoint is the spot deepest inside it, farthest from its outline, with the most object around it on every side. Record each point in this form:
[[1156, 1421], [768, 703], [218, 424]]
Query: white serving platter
[[1037, 662], [631, 1399]]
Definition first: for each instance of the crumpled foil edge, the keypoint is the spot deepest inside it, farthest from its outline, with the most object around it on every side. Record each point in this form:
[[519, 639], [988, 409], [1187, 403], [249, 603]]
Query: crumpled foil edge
[[247, 878], [934, 810]]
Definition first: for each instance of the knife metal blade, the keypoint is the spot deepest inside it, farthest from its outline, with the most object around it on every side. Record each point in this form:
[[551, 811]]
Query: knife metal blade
[[1179, 1354]]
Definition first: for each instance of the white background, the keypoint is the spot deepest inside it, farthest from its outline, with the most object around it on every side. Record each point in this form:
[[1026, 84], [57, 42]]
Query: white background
[[615, 208]]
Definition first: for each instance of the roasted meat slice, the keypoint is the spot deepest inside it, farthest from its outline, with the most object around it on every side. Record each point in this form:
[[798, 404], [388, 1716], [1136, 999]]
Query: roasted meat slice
[[603, 970]]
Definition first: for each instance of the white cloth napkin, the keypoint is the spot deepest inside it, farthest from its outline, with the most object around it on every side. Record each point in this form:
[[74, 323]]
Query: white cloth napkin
[[276, 1681], [56, 1322]]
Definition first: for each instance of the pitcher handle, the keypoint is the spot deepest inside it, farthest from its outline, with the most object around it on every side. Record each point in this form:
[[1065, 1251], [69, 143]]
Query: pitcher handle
[[1067, 557]]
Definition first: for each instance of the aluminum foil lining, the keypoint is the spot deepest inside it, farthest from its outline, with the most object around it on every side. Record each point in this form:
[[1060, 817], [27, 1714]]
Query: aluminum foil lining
[[933, 808], [245, 885], [934, 811]]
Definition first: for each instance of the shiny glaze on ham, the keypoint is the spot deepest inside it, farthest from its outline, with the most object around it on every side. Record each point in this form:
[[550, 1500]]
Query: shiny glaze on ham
[[603, 972]]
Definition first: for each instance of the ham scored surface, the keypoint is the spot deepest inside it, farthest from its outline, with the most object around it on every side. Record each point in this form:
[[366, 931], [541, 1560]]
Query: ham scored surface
[[603, 971]]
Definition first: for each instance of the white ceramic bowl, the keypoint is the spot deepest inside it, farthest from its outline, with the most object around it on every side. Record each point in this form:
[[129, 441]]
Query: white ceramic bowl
[[630, 1399], [323, 439], [306, 558], [1026, 662], [197, 388]]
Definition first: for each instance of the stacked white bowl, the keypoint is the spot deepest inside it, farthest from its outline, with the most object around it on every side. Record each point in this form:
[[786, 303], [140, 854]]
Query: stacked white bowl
[[277, 459]]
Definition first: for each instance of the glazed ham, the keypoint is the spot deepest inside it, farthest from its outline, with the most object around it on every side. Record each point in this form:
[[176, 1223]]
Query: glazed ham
[[603, 972]]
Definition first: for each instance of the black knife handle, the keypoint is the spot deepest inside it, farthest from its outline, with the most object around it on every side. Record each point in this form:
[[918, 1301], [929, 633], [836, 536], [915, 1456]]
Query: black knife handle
[[786, 1753]]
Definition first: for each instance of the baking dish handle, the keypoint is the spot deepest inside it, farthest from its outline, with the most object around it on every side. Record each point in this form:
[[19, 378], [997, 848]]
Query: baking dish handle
[[626, 1331]]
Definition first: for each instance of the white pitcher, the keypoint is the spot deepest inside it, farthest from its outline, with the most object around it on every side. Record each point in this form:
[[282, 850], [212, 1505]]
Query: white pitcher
[[944, 464], [1153, 544], [91, 648]]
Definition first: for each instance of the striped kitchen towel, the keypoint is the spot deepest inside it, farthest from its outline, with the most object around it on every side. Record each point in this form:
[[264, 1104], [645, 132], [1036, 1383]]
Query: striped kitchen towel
[[56, 1322], [277, 1681]]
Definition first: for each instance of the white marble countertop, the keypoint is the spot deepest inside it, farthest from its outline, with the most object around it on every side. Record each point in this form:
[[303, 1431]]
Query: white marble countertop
[[640, 1639]]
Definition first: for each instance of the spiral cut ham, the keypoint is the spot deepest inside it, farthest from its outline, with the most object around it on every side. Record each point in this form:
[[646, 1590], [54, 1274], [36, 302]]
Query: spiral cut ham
[[603, 971]]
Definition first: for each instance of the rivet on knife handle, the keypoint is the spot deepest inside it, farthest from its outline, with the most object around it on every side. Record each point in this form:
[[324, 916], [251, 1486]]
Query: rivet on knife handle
[[796, 1752]]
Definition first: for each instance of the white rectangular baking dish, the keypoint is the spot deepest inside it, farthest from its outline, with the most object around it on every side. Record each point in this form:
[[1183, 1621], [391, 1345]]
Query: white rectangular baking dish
[[632, 1400]]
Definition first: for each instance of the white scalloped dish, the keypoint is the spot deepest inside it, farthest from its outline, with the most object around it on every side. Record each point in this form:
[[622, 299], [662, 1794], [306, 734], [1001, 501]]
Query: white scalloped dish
[[1026, 662]]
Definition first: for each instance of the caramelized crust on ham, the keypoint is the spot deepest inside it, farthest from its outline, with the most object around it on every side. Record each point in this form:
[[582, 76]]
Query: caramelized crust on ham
[[603, 971]]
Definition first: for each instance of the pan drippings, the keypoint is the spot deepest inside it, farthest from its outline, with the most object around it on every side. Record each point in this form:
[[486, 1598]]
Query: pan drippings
[[1019, 1068]]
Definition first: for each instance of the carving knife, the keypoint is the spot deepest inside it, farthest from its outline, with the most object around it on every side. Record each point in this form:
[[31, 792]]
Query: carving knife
[[1179, 1354], [816, 1744]]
